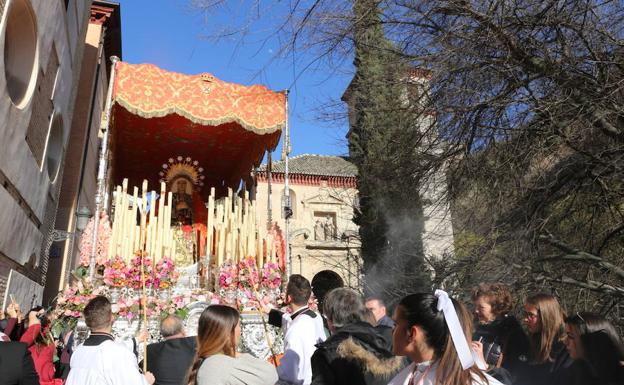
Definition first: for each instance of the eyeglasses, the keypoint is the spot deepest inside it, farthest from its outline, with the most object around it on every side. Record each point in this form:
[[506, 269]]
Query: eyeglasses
[[527, 314], [581, 318]]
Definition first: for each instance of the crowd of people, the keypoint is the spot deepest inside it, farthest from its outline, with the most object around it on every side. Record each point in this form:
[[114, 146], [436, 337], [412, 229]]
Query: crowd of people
[[431, 339]]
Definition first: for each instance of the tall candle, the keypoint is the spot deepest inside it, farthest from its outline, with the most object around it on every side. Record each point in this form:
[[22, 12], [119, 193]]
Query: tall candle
[[210, 224], [131, 222]]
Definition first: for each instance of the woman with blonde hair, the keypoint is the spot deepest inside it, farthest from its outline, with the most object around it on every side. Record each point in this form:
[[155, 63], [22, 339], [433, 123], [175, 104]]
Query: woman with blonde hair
[[429, 331], [216, 361], [548, 358]]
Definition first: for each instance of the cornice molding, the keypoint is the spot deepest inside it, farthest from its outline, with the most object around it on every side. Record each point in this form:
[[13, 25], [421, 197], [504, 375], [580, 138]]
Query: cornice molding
[[310, 180], [100, 14]]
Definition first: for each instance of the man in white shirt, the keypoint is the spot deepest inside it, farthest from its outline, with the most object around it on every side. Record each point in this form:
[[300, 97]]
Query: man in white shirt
[[100, 360], [303, 329]]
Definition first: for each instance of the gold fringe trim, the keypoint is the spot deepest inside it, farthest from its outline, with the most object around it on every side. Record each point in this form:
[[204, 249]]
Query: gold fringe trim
[[207, 122]]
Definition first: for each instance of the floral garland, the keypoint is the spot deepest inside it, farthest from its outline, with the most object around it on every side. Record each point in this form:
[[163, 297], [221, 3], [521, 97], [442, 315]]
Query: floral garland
[[72, 301], [118, 275], [122, 280], [86, 241], [130, 307]]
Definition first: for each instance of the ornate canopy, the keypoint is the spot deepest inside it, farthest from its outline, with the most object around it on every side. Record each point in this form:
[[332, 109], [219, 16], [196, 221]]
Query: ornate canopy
[[158, 115]]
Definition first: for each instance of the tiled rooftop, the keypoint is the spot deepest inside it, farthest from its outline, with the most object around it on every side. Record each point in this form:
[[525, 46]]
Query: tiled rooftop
[[311, 164]]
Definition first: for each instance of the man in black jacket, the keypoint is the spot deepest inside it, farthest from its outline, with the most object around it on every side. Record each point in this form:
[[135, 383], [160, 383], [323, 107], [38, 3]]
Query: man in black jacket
[[355, 353], [16, 365], [171, 359]]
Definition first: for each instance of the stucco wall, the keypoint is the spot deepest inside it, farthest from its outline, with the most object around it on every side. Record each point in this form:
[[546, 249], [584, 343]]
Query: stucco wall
[[28, 192], [309, 256]]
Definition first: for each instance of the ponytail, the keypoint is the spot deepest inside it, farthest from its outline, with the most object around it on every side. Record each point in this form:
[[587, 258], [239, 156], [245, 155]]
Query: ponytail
[[450, 370]]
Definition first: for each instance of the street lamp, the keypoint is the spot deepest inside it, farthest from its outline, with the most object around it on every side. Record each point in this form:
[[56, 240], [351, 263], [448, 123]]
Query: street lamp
[[82, 218], [83, 215]]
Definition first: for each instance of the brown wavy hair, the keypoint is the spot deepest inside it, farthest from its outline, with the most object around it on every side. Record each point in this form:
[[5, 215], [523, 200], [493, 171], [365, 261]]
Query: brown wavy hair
[[215, 335], [497, 295], [551, 317]]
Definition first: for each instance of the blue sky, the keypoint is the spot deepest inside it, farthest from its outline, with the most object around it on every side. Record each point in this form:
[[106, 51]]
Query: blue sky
[[174, 36]]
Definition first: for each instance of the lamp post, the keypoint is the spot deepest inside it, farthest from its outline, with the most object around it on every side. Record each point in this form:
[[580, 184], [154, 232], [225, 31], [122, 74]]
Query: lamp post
[[82, 218], [83, 215]]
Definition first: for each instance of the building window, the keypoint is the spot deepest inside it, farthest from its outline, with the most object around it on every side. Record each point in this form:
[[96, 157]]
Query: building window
[[38, 129], [293, 202], [54, 147], [324, 226], [20, 52]]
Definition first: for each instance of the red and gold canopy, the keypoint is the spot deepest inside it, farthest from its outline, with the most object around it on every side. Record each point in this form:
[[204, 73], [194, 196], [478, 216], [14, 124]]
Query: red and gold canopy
[[159, 115]]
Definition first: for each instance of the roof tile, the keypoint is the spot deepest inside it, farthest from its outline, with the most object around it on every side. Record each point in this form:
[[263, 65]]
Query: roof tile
[[311, 164]]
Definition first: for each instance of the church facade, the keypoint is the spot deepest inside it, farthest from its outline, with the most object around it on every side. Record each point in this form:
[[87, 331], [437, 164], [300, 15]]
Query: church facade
[[323, 194]]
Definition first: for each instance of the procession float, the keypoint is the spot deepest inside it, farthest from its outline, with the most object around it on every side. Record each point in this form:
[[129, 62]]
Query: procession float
[[176, 227]]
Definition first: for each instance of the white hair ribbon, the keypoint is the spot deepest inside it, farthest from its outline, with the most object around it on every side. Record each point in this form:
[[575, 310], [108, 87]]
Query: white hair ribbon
[[457, 332]]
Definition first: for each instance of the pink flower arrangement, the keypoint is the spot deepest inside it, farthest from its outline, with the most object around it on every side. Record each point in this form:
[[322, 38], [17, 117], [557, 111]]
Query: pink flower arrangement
[[164, 275], [133, 274], [127, 307], [72, 301], [86, 241], [271, 276], [248, 274], [228, 276], [115, 271]]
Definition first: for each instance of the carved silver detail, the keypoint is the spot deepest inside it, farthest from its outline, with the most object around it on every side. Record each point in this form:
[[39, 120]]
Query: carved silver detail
[[254, 338]]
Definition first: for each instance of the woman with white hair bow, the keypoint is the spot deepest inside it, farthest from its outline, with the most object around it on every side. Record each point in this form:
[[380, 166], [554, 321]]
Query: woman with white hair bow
[[429, 332]]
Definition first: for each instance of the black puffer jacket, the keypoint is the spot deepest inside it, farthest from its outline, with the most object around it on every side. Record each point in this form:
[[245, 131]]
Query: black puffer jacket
[[504, 336], [551, 372], [356, 354]]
